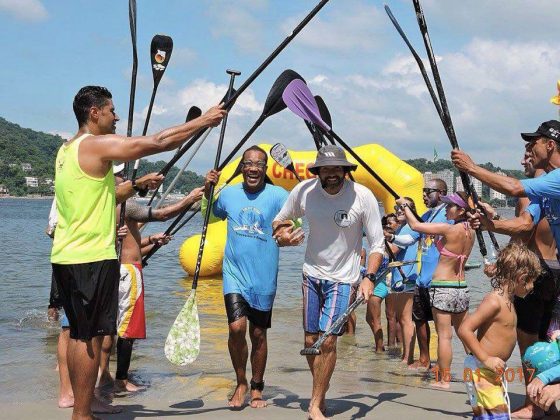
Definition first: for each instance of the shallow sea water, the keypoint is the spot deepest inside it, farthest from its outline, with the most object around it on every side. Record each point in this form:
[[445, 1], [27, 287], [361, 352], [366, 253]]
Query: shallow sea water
[[28, 339]]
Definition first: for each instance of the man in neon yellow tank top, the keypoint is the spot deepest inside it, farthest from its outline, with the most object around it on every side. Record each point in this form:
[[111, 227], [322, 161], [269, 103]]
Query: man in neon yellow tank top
[[83, 256]]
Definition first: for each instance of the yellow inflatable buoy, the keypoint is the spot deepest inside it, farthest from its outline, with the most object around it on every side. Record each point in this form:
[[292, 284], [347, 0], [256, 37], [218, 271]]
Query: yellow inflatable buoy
[[399, 175]]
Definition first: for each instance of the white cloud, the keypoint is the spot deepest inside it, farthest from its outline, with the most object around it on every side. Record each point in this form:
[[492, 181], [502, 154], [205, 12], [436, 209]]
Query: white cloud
[[239, 22], [343, 27], [64, 134], [25, 10]]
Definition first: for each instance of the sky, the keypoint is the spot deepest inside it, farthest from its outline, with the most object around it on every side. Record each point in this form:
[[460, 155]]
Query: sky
[[498, 61]]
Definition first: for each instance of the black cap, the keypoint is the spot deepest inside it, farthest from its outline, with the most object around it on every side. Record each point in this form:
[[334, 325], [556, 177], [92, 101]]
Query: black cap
[[549, 129]]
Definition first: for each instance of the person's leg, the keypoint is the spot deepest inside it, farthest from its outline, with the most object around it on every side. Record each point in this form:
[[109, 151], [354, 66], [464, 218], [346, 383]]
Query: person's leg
[[105, 378], [421, 314], [393, 328], [373, 318], [323, 368], [65, 395], [83, 364], [404, 316], [124, 355], [444, 351], [239, 353], [259, 353]]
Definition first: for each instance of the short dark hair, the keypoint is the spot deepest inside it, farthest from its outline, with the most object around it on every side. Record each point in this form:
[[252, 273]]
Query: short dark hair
[[255, 149], [440, 185], [87, 97]]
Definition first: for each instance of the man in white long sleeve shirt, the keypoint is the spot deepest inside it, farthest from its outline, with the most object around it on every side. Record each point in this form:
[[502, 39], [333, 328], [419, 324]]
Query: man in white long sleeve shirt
[[338, 211]]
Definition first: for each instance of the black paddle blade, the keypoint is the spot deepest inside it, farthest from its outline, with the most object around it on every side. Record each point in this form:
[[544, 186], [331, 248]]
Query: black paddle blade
[[194, 112], [226, 97], [274, 103], [160, 53], [323, 110]]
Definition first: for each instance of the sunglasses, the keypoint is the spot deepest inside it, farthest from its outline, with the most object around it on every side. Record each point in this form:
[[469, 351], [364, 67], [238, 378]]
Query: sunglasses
[[428, 191]]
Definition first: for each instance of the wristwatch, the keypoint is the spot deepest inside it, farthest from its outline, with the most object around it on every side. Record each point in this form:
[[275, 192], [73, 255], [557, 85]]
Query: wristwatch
[[496, 216], [371, 277]]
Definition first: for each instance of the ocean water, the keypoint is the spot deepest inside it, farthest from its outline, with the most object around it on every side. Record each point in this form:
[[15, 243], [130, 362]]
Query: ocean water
[[28, 339]]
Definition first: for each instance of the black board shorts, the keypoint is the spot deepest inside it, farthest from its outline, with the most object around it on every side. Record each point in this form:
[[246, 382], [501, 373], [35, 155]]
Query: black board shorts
[[421, 305], [534, 311], [89, 293], [237, 307]]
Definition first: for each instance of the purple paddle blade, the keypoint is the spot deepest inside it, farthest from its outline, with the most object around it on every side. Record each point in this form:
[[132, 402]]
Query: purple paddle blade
[[301, 102]]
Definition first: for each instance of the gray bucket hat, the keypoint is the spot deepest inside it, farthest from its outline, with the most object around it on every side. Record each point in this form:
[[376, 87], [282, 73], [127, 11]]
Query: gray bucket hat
[[330, 155]]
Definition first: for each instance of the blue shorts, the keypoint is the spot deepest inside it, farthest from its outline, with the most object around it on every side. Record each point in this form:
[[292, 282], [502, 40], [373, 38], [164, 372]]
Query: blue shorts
[[381, 290], [323, 303], [64, 321]]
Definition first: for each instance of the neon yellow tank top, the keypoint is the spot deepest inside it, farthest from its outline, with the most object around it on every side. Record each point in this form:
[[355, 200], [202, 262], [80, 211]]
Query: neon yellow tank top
[[86, 227]]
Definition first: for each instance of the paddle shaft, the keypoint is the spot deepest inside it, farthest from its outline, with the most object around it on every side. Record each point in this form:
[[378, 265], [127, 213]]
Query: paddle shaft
[[132, 22], [146, 123], [256, 73], [212, 186], [392, 257], [446, 119]]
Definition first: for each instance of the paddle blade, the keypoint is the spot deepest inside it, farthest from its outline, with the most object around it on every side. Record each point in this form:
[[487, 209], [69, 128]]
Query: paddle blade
[[299, 99], [226, 97], [280, 154], [274, 103], [323, 110], [183, 341], [194, 112], [160, 53]]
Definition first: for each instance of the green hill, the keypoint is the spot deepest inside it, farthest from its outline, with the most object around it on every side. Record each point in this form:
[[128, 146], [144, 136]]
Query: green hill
[[20, 146]]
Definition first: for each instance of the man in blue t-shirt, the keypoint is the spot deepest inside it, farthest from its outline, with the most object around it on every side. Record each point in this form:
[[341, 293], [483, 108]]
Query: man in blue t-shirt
[[250, 267], [421, 308]]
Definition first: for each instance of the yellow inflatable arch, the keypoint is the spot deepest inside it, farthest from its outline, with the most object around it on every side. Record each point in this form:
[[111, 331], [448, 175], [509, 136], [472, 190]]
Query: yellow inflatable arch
[[399, 175]]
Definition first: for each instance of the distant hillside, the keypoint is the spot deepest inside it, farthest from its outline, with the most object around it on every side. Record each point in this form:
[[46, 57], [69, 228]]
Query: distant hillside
[[20, 146], [424, 165]]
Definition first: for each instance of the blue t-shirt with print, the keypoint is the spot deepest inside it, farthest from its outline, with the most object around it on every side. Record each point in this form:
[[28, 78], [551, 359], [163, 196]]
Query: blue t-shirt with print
[[406, 254], [250, 264], [544, 193], [430, 254]]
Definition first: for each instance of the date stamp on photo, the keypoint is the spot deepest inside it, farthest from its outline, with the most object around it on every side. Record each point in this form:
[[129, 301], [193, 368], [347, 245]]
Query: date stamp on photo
[[508, 375]]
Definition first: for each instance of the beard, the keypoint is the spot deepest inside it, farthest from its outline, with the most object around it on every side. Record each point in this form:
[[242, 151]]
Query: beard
[[332, 183]]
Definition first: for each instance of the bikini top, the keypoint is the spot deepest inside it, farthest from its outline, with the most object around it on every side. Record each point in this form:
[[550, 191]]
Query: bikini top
[[447, 253]]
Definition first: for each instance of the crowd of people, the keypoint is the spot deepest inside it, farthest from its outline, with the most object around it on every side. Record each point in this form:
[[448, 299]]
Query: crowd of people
[[102, 294]]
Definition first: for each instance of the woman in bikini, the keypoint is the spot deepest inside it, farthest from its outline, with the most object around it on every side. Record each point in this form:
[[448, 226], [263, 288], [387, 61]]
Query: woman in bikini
[[449, 294]]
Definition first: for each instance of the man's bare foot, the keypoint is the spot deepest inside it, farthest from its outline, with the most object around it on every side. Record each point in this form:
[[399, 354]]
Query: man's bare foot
[[66, 401], [257, 399], [100, 407], [126, 385], [380, 350], [315, 413], [440, 384], [419, 365], [238, 398], [527, 411]]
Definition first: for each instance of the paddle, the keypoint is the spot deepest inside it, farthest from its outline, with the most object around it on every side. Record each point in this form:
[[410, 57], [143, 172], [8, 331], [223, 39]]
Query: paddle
[[281, 155], [442, 109], [318, 137], [187, 325], [132, 23], [160, 53], [398, 284], [194, 112], [273, 105], [301, 102], [267, 62], [315, 349]]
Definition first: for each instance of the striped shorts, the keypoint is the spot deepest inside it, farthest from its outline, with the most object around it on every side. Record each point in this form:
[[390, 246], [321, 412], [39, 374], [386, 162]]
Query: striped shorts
[[323, 303]]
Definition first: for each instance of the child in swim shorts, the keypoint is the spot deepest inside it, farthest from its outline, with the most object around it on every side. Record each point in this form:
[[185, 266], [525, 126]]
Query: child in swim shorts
[[490, 332]]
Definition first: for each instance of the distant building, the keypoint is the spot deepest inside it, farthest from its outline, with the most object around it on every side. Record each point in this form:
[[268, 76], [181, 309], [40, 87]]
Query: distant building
[[48, 181], [495, 195], [4, 190], [26, 167], [445, 175], [31, 181], [477, 185]]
